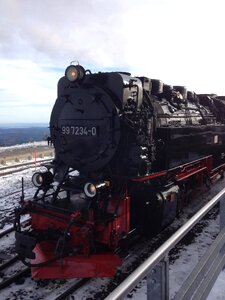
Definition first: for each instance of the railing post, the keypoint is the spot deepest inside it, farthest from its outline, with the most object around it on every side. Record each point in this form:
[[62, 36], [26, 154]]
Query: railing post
[[222, 213], [158, 281], [222, 222]]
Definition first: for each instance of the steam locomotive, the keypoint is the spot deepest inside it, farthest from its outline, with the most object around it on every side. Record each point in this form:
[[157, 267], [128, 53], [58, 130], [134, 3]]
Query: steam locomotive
[[129, 152]]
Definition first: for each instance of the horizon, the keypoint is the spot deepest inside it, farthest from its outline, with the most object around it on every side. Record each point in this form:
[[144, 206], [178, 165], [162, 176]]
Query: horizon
[[17, 125], [22, 122]]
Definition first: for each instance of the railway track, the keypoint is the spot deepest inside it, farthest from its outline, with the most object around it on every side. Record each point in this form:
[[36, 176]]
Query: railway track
[[14, 274], [65, 291], [15, 192], [12, 279], [24, 164], [9, 201], [20, 167], [6, 231], [21, 275], [11, 228], [8, 263], [73, 288]]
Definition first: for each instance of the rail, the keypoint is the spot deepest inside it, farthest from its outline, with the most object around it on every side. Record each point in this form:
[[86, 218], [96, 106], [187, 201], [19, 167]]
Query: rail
[[156, 266], [33, 162]]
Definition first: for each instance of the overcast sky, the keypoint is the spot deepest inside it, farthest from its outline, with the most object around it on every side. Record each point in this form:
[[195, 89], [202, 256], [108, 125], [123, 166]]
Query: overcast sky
[[179, 41]]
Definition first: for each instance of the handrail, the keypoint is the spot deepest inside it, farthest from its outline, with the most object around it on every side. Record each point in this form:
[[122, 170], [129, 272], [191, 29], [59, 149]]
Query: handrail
[[133, 279]]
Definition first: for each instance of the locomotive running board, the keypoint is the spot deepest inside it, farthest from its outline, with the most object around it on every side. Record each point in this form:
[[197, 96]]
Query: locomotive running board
[[78, 266]]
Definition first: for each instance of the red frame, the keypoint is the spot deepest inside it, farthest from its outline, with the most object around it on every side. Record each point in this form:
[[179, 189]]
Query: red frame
[[84, 263]]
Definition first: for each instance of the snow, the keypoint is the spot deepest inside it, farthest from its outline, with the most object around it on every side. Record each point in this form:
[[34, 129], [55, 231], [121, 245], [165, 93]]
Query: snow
[[189, 255], [10, 192], [22, 146]]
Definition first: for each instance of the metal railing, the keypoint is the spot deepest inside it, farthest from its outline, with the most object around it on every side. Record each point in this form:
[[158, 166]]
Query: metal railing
[[156, 266]]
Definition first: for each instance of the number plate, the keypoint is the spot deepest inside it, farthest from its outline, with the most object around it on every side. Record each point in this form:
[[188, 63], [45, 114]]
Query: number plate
[[79, 130]]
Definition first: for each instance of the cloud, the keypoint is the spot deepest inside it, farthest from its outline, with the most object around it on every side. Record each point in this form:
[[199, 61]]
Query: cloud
[[28, 92], [48, 30], [178, 41], [130, 34]]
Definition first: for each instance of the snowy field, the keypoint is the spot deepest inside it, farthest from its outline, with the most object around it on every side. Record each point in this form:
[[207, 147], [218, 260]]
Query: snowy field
[[23, 146]]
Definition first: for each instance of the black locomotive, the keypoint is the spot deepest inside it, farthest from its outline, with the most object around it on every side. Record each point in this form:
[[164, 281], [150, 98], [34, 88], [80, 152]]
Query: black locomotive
[[128, 151]]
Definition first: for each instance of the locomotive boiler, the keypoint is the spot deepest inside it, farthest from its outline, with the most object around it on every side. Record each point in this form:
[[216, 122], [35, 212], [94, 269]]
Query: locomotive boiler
[[129, 152]]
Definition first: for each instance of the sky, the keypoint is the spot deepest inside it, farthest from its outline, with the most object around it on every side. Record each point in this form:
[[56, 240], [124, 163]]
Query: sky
[[178, 41]]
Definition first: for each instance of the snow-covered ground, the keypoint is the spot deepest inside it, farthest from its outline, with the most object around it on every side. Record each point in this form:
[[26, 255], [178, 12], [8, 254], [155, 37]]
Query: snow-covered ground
[[10, 192], [25, 145], [188, 257]]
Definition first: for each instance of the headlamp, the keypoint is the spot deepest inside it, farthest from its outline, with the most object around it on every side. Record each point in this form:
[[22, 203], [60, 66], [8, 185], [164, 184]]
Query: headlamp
[[75, 73], [42, 179], [90, 189]]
